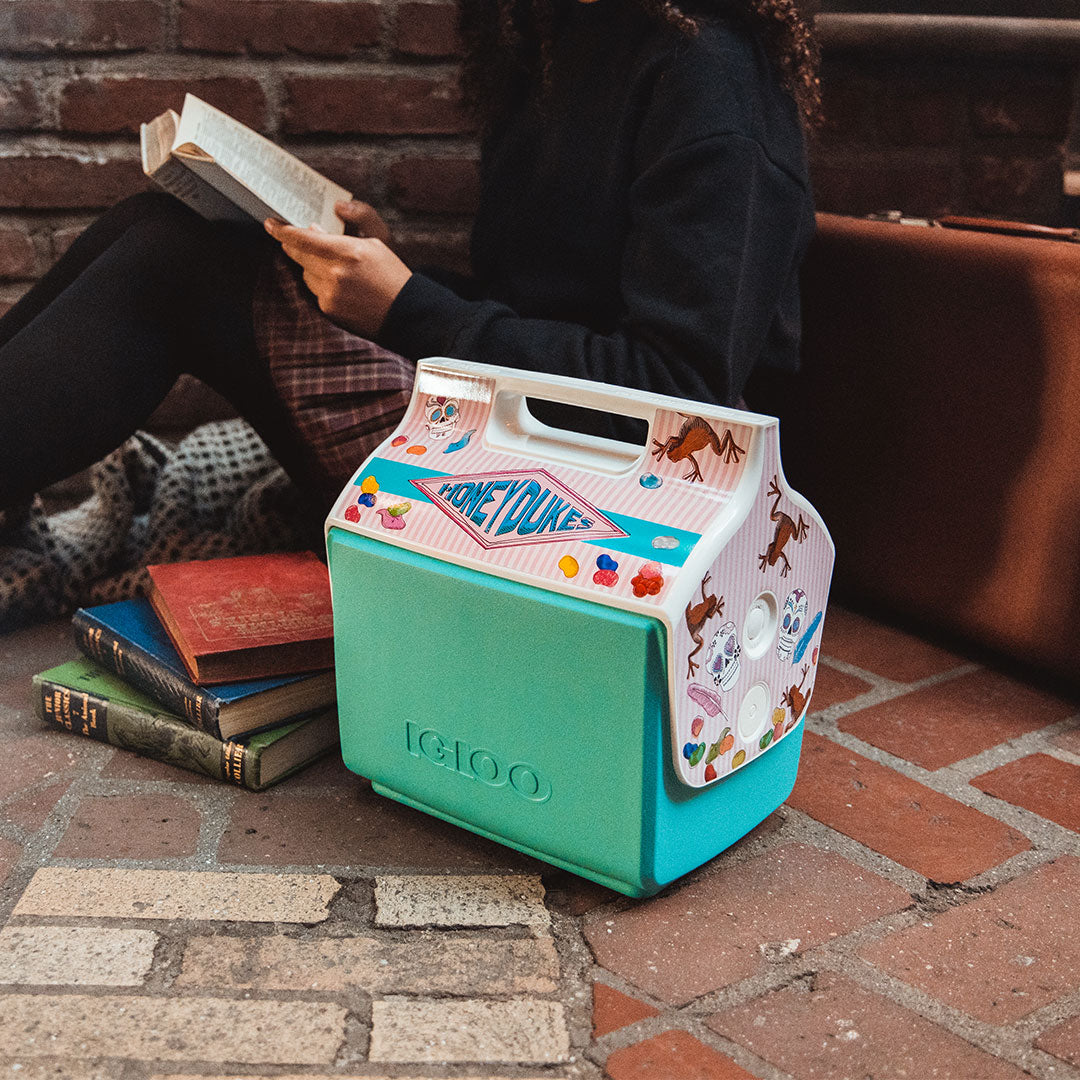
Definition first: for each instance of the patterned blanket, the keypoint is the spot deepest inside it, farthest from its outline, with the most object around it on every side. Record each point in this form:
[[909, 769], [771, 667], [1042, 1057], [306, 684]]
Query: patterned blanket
[[218, 492]]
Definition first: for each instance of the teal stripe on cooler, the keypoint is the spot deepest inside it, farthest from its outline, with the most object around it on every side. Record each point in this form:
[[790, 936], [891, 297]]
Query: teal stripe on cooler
[[640, 537], [396, 476]]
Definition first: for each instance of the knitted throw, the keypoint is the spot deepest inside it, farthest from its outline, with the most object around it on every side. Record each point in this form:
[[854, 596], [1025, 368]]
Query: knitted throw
[[218, 492]]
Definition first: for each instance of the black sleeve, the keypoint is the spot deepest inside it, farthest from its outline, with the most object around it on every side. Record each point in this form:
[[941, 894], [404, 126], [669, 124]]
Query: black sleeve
[[716, 230]]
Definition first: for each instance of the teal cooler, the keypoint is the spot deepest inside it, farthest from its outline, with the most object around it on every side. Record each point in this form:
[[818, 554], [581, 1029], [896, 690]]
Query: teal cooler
[[597, 653]]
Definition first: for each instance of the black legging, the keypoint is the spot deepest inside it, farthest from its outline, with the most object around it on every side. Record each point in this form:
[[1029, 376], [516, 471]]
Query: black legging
[[147, 292]]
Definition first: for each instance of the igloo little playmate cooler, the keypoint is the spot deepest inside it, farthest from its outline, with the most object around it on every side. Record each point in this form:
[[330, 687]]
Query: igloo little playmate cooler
[[597, 653]]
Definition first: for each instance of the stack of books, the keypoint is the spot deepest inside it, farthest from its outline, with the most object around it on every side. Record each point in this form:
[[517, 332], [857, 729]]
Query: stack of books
[[225, 670]]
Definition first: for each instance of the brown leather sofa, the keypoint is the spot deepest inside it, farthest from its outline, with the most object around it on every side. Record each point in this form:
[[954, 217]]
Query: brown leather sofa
[[936, 426]]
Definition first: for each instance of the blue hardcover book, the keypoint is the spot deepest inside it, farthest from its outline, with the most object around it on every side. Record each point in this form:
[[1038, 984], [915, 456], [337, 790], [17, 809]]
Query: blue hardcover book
[[127, 637]]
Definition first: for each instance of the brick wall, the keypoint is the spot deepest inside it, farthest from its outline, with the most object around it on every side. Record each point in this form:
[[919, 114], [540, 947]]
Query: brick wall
[[363, 91]]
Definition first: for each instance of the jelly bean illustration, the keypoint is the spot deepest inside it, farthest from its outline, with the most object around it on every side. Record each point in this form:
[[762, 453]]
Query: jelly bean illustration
[[722, 745], [606, 562], [389, 520], [416, 450], [696, 725], [688, 750], [698, 754], [352, 513], [605, 577], [738, 759], [650, 480], [369, 485], [400, 440], [648, 581], [399, 508], [766, 738], [367, 499], [569, 566], [665, 543], [710, 772]]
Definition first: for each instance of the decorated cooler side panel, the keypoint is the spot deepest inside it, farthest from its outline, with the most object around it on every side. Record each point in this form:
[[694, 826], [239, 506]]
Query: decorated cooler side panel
[[438, 487], [746, 649]]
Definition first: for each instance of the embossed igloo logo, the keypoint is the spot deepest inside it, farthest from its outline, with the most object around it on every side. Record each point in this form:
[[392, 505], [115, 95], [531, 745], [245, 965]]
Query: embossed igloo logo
[[528, 506]]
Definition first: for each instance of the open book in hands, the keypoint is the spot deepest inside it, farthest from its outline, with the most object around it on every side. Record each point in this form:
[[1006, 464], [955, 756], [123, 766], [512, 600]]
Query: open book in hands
[[227, 172]]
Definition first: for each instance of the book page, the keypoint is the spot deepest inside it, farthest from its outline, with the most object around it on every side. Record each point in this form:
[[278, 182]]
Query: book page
[[294, 191], [156, 140]]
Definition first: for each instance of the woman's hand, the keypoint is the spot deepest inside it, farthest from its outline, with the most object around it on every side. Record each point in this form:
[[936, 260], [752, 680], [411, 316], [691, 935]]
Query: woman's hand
[[355, 279], [362, 219]]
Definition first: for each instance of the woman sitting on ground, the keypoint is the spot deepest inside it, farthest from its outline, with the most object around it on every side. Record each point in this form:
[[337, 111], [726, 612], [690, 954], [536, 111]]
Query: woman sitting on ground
[[644, 209]]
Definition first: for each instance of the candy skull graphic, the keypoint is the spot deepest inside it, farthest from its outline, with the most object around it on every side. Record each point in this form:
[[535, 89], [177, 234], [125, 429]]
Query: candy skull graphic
[[722, 659], [791, 622], [442, 416]]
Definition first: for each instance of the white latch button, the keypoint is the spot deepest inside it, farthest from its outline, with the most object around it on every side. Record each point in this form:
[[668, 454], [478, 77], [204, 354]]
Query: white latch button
[[759, 626]]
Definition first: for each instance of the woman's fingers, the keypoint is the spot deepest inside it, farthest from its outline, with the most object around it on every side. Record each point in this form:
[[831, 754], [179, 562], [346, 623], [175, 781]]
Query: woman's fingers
[[363, 218], [301, 243]]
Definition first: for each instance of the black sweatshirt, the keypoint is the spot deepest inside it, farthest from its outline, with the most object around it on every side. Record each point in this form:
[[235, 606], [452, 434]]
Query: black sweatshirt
[[642, 226]]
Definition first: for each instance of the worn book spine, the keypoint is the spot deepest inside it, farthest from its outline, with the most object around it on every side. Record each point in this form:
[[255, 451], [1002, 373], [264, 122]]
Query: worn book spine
[[143, 670], [163, 738]]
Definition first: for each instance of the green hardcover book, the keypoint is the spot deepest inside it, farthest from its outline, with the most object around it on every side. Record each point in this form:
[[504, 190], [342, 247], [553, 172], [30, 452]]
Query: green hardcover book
[[83, 698]]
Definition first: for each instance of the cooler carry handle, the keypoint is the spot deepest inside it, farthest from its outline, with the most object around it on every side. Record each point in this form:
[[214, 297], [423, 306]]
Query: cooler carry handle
[[512, 427]]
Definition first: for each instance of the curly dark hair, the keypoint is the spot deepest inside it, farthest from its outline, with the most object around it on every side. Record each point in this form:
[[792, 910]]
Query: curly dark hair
[[508, 45]]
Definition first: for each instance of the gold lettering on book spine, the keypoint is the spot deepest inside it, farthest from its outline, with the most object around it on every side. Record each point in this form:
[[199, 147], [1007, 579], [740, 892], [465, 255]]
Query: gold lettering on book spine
[[118, 657], [234, 762], [92, 638], [65, 708]]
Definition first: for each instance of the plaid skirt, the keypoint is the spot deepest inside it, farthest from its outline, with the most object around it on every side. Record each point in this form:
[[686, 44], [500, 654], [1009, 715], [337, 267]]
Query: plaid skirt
[[343, 393]]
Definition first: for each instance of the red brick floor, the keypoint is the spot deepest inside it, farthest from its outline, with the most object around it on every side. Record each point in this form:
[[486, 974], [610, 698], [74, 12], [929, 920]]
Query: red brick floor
[[912, 911]]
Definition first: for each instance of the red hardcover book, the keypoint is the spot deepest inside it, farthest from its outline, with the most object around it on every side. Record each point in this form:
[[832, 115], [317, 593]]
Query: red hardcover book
[[247, 617]]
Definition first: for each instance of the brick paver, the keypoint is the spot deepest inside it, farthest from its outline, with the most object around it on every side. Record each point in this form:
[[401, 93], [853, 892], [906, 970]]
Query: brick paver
[[955, 719], [426, 962], [30, 810], [833, 686], [31, 759], [171, 1029], [728, 923], [522, 1030], [355, 829], [881, 649], [367, 1075], [461, 900], [177, 894], [46, 1068], [674, 1055], [613, 1009], [1040, 783], [932, 834], [1063, 1041], [132, 827], [333, 933], [75, 955], [830, 1028], [1000, 956]]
